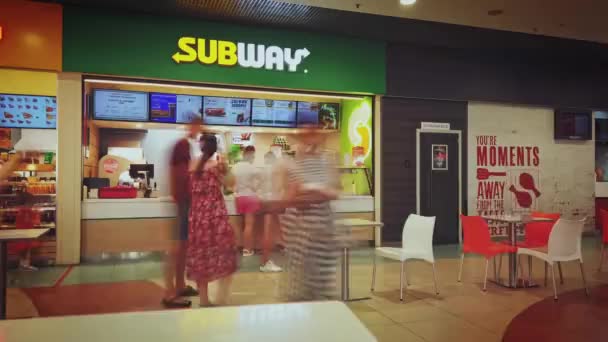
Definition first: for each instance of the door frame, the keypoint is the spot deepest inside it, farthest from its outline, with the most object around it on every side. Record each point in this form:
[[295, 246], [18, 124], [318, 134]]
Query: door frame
[[439, 131]]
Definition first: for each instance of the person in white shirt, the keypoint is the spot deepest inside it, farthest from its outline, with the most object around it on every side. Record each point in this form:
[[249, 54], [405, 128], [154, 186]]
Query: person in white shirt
[[249, 182]]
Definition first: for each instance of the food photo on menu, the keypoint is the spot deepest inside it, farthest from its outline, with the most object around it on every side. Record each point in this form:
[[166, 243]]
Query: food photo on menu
[[226, 111], [328, 115], [273, 113], [25, 111]]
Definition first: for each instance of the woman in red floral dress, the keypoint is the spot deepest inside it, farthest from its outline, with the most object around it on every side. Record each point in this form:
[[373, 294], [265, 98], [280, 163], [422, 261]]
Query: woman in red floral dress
[[212, 253]]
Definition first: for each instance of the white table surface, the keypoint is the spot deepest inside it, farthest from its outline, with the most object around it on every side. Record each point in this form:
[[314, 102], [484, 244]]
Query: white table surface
[[297, 322], [21, 234]]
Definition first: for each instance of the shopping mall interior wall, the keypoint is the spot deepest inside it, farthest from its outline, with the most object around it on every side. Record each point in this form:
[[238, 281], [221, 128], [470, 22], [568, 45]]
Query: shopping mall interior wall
[[400, 119], [467, 70], [518, 141]]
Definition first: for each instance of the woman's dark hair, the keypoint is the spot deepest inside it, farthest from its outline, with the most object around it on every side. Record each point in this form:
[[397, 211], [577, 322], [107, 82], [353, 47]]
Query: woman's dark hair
[[208, 147]]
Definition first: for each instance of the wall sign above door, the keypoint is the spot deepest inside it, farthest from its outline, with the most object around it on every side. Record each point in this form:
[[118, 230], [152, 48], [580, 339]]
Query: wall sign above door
[[443, 126]]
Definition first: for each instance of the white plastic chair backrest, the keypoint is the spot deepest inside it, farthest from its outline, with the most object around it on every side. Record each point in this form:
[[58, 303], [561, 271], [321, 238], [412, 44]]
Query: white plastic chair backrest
[[418, 233], [565, 240]]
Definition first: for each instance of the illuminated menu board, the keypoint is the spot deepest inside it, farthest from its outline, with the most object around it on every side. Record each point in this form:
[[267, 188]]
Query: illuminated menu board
[[173, 108], [227, 111], [120, 105], [25, 111], [324, 115], [273, 113]]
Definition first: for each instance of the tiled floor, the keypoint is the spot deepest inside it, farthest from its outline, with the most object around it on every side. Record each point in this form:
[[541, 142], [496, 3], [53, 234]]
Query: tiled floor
[[462, 312]]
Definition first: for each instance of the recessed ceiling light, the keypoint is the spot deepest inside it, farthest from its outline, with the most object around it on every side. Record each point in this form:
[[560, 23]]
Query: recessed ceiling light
[[407, 2]]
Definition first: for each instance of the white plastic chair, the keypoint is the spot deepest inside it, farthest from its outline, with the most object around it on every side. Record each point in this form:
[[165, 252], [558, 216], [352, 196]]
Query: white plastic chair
[[417, 244], [564, 245]]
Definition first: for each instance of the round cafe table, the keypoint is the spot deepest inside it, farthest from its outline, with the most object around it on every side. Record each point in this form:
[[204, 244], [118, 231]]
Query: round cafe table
[[513, 221]]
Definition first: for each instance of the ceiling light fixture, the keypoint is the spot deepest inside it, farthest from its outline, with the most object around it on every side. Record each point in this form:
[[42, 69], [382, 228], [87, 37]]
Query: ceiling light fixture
[[407, 2]]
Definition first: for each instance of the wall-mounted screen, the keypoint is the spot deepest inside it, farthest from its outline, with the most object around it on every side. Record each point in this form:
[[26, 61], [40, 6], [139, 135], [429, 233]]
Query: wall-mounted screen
[[120, 105], [173, 108], [26, 111], [227, 111], [273, 113], [325, 115], [573, 124]]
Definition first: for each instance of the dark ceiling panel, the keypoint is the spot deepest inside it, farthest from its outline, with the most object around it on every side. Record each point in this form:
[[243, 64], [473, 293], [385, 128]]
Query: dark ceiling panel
[[391, 29]]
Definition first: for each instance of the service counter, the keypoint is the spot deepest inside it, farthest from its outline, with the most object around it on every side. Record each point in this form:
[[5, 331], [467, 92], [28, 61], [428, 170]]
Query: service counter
[[145, 224]]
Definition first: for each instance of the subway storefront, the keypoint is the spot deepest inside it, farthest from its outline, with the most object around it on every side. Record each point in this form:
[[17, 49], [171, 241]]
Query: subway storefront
[[130, 85]]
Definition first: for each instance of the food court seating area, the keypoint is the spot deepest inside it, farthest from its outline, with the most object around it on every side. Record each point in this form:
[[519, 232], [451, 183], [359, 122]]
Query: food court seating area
[[432, 305]]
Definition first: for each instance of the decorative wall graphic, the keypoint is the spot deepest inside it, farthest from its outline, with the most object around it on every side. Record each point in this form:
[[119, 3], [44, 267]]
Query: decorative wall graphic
[[440, 157], [508, 180], [524, 185]]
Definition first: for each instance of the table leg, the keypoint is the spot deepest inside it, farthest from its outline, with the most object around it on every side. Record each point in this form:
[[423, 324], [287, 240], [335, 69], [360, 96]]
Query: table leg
[[345, 273], [512, 256], [345, 266], [3, 278]]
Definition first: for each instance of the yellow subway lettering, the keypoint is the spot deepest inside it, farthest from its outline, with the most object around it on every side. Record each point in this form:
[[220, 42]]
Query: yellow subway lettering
[[207, 54], [227, 53]]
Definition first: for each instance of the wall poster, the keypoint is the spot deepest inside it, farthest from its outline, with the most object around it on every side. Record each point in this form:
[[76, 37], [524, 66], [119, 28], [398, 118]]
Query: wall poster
[[508, 180], [440, 157]]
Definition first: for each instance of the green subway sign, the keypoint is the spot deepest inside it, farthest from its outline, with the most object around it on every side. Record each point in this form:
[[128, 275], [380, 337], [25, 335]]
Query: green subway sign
[[110, 43]]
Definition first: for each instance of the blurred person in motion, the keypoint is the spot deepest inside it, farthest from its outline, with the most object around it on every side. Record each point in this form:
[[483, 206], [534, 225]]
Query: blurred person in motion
[[27, 218], [212, 253], [248, 180], [175, 264], [308, 222], [250, 186], [270, 190]]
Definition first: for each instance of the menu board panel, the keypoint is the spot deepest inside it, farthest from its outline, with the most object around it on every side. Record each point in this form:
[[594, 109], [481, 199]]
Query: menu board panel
[[228, 111], [273, 113], [326, 115], [308, 113], [120, 105], [25, 111], [173, 108], [188, 107], [329, 115]]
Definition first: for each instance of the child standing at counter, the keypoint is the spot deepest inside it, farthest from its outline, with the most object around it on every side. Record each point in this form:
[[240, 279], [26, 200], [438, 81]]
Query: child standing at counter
[[250, 182]]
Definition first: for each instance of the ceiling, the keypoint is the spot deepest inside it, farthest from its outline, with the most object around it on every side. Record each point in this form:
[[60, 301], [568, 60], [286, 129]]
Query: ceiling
[[575, 19], [450, 31]]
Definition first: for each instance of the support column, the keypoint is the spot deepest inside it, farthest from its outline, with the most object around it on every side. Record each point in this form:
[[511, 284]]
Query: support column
[[377, 168], [69, 166]]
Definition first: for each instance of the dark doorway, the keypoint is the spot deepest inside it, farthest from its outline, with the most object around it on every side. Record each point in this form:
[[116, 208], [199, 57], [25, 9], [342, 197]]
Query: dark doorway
[[439, 179], [400, 120]]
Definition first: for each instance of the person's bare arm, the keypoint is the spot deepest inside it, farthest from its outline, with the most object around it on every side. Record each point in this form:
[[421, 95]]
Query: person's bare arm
[[10, 166]]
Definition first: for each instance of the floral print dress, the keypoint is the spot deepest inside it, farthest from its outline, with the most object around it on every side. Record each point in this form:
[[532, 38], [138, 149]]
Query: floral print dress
[[212, 252]]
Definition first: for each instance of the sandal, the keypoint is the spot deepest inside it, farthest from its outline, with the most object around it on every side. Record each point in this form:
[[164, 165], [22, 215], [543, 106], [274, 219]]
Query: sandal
[[176, 302], [188, 291]]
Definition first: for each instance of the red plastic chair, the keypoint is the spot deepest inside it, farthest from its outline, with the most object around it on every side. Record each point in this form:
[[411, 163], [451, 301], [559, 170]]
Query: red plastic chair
[[477, 240], [27, 218], [604, 223]]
